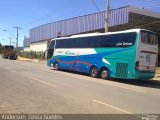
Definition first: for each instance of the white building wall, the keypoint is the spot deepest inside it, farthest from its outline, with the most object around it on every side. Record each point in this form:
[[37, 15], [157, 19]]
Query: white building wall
[[26, 49], [39, 46]]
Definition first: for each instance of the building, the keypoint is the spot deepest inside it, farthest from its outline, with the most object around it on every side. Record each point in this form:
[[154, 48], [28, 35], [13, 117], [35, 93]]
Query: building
[[123, 18]]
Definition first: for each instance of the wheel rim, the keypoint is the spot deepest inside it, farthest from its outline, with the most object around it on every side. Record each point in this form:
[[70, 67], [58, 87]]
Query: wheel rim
[[56, 66], [94, 72], [104, 74]]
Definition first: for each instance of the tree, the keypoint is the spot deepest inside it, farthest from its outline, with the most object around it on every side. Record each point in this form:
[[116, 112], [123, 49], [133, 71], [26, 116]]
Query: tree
[[1, 48]]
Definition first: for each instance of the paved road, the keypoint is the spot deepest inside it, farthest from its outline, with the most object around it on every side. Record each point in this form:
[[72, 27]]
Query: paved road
[[27, 87]]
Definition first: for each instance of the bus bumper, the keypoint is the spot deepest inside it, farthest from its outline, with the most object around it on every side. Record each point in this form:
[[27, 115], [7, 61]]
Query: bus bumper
[[145, 75]]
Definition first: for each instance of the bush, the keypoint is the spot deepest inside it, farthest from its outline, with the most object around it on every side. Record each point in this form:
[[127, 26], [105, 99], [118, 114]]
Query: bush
[[32, 54]]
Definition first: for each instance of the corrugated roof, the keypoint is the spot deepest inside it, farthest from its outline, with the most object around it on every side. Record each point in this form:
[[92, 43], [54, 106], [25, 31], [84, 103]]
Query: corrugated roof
[[85, 23]]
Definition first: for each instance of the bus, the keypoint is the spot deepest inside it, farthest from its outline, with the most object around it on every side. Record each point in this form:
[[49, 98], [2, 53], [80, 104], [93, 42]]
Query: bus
[[129, 54], [9, 52]]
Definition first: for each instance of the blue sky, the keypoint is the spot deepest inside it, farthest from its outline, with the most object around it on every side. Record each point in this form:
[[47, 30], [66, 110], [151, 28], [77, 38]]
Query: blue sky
[[28, 14]]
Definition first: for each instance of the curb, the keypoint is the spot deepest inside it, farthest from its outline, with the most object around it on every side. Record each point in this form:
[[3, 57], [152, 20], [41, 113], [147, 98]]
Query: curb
[[30, 60], [23, 59], [156, 79]]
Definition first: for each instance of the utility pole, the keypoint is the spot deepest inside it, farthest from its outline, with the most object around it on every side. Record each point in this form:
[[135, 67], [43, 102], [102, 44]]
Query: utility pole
[[17, 35], [10, 40], [107, 16]]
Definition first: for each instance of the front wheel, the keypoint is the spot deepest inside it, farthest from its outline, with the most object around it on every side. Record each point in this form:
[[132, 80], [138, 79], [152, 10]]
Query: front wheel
[[104, 74], [94, 72]]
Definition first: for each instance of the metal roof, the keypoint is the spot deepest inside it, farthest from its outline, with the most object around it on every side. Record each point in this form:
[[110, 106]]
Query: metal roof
[[83, 24], [78, 25], [99, 34]]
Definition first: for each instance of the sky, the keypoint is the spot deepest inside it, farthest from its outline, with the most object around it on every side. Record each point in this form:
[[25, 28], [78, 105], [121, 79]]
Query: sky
[[28, 14]]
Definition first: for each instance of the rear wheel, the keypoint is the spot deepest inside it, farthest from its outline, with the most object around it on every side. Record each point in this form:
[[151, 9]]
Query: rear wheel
[[104, 74], [56, 66], [94, 72]]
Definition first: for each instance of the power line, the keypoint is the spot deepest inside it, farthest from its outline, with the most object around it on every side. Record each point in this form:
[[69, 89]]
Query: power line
[[94, 3], [9, 33], [10, 39]]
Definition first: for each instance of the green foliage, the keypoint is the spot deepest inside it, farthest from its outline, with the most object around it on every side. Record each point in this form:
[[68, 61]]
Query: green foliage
[[32, 54], [1, 48]]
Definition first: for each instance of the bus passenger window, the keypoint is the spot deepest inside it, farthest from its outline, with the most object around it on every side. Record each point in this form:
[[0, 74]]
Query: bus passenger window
[[152, 40], [143, 37], [148, 38]]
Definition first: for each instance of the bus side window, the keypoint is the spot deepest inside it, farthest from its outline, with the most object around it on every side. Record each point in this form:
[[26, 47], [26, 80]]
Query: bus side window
[[83, 43], [94, 42], [148, 38], [157, 40], [152, 40], [143, 37]]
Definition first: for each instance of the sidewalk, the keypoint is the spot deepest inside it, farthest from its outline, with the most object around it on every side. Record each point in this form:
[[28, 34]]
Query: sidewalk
[[157, 76], [31, 60]]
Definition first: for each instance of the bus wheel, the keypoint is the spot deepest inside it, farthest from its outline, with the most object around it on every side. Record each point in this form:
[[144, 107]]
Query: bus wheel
[[94, 72], [56, 66], [104, 74]]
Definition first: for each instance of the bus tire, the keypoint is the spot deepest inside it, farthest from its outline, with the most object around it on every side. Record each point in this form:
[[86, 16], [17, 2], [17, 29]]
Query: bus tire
[[94, 72], [56, 66], [104, 74]]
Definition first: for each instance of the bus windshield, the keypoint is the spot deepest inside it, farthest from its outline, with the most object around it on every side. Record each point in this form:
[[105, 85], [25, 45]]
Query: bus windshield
[[51, 49], [149, 38], [52, 44]]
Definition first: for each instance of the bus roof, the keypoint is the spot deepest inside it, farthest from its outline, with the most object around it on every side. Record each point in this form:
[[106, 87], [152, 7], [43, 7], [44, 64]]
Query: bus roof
[[99, 34]]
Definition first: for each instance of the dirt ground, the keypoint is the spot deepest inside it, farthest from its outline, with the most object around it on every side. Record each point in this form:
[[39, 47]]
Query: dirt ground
[[158, 70]]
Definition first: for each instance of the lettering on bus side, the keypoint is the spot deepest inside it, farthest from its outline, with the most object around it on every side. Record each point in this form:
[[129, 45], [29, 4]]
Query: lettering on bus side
[[68, 53], [124, 44], [60, 52], [128, 44]]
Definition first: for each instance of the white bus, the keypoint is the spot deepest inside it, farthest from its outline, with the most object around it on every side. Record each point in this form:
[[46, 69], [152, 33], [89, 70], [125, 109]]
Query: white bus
[[129, 54]]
